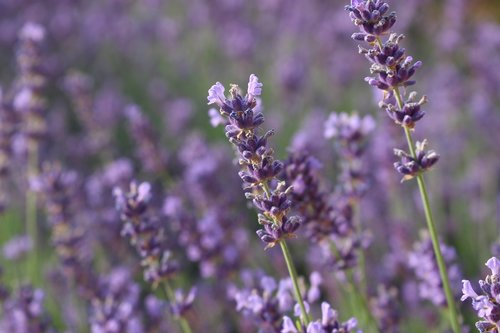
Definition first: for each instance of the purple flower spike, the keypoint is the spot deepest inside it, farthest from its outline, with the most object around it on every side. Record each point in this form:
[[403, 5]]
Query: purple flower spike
[[260, 170]]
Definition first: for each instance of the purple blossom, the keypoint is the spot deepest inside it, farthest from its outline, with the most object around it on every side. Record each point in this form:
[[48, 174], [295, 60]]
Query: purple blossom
[[487, 304], [17, 247], [422, 260], [254, 87], [328, 323], [259, 168], [216, 94]]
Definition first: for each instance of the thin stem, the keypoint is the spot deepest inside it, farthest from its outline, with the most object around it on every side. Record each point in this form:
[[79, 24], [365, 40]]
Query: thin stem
[[304, 317], [183, 323], [361, 252], [453, 313], [31, 211]]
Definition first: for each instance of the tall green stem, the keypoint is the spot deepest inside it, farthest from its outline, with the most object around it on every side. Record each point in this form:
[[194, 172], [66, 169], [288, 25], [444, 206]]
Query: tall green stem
[[31, 213], [183, 323], [304, 316], [361, 252], [453, 313]]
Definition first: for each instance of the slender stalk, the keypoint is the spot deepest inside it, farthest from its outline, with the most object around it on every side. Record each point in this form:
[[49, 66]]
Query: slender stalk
[[183, 323], [304, 317], [453, 313], [361, 252], [31, 211]]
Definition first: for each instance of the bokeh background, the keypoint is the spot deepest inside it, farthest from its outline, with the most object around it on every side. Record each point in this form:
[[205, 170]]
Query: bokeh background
[[126, 99]]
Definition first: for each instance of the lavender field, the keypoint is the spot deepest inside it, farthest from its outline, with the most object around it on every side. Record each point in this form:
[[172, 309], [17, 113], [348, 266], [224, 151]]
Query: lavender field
[[266, 166]]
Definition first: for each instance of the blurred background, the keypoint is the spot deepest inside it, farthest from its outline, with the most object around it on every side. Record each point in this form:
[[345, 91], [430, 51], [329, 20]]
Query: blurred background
[[124, 97]]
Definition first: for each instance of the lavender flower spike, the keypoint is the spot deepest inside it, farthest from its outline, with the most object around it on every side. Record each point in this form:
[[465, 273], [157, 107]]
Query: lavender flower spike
[[260, 171], [393, 71]]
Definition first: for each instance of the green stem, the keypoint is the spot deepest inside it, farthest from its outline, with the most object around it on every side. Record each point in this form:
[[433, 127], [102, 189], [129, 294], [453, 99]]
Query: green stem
[[31, 212], [183, 323], [361, 252], [304, 317], [453, 313]]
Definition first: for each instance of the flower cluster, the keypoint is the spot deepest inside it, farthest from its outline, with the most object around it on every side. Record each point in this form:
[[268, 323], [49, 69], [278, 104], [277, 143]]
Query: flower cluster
[[313, 204], [423, 261], [153, 158], [410, 166], [350, 133], [115, 309], [24, 312], [59, 188], [487, 304], [371, 18], [329, 323], [145, 232], [29, 100], [259, 168], [264, 303]]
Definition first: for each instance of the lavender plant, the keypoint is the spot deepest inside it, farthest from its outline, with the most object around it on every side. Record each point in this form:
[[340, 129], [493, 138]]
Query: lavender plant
[[259, 171], [393, 71], [29, 101], [146, 235]]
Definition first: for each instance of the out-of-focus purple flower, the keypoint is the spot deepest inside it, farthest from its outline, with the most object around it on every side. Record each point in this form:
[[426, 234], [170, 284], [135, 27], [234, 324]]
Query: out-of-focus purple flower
[[29, 100], [328, 323], [17, 247], [115, 309], [152, 157], [59, 189], [423, 261], [144, 232], [215, 118], [24, 312], [386, 309], [351, 132], [348, 128], [183, 302], [265, 303]]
